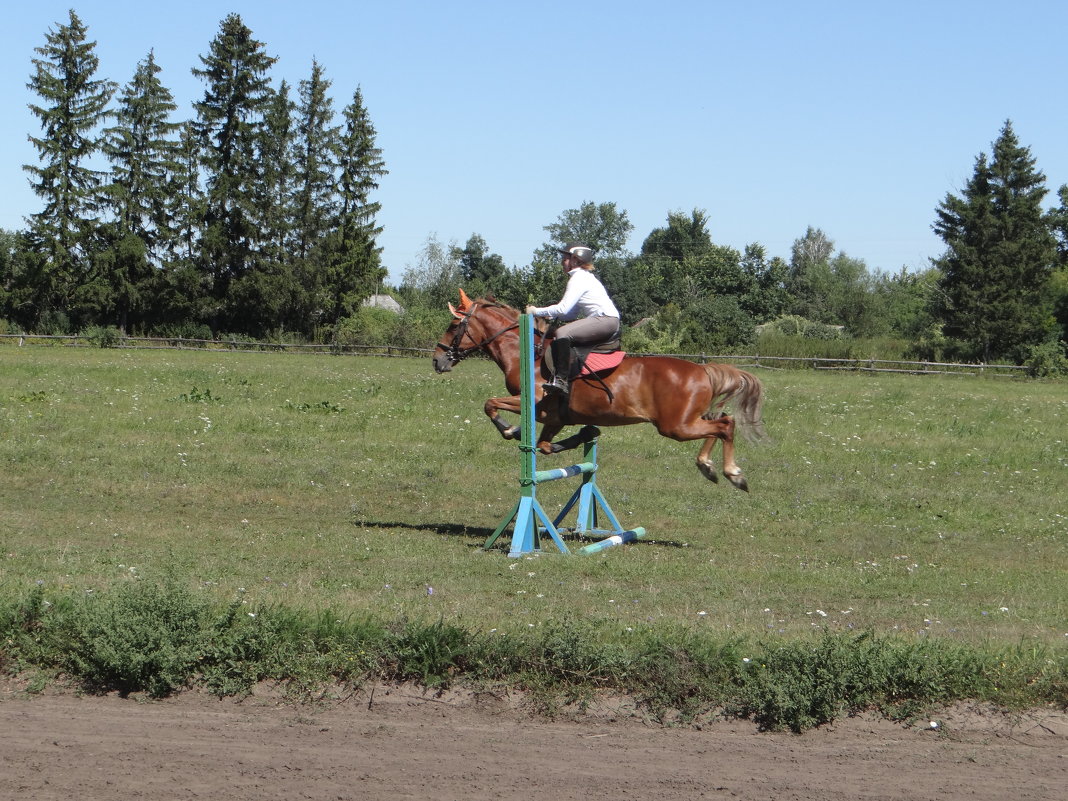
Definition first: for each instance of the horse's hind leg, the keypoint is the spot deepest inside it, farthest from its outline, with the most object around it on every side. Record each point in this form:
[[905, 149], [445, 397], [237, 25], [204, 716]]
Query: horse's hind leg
[[720, 428], [705, 463], [730, 468]]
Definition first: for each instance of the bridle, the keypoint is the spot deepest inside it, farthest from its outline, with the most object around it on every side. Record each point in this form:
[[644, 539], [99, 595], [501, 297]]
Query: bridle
[[455, 353]]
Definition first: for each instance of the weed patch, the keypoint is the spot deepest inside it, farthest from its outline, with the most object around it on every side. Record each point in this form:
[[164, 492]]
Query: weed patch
[[159, 639]]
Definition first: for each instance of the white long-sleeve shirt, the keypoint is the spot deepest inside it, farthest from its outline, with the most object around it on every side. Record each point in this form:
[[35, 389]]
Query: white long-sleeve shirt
[[585, 296]]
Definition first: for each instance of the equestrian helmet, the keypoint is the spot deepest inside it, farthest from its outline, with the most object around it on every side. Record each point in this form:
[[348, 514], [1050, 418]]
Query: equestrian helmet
[[582, 253]]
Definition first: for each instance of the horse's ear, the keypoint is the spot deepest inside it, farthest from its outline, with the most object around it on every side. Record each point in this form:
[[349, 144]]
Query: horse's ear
[[465, 302], [455, 313]]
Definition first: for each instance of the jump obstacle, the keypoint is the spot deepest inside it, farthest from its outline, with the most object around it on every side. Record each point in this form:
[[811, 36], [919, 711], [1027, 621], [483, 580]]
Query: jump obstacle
[[531, 521]]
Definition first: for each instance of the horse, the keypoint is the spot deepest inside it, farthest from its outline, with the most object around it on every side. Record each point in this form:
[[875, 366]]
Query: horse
[[684, 401]]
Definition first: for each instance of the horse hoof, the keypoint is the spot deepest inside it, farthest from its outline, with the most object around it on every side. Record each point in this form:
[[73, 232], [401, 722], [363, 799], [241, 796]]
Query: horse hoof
[[709, 472], [512, 433], [738, 481]]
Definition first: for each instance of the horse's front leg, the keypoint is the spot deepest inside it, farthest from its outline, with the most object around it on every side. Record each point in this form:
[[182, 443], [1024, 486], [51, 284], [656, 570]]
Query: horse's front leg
[[581, 437], [493, 408], [545, 439]]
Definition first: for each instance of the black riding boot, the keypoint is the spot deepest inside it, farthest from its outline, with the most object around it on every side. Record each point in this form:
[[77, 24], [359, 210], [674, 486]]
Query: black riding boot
[[561, 382]]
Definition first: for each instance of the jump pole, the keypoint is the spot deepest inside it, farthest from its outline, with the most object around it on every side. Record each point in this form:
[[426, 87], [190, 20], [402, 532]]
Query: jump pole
[[529, 518]]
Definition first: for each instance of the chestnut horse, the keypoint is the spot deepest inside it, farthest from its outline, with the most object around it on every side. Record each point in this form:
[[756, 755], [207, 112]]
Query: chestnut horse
[[681, 399]]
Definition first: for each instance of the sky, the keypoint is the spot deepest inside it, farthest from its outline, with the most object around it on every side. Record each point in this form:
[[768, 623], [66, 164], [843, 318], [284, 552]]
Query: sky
[[495, 118]]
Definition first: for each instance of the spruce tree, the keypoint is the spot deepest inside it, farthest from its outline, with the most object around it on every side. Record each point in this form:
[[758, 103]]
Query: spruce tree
[[74, 106], [275, 144], [228, 120], [999, 257], [187, 193], [143, 153], [1059, 281], [315, 157], [351, 255], [143, 150], [267, 295], [183, 301]]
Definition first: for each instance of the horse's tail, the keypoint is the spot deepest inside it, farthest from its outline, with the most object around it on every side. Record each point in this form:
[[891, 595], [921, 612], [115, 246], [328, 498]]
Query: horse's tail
[[743, 391]]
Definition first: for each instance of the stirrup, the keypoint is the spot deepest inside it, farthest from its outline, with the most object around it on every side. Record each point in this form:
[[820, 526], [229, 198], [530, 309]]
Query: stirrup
[[558, 386]]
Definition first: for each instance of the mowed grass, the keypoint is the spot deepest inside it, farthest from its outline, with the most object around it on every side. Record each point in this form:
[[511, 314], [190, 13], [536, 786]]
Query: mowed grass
[[929, 507]]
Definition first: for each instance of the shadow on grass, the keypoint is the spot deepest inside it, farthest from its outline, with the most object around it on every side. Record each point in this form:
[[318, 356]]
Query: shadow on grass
[[480, 533]]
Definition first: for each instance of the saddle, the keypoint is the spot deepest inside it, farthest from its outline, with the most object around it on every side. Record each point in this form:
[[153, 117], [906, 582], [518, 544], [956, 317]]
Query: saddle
[[588, 359]]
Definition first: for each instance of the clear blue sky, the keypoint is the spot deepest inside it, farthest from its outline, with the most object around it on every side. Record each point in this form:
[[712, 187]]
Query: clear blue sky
[[495, 117]]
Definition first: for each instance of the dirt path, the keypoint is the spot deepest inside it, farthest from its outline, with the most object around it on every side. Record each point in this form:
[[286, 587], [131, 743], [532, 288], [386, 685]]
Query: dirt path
[[406, 746]]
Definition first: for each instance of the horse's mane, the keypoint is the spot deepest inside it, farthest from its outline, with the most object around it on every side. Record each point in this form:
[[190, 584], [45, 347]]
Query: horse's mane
[[490, 302], [541, 325]]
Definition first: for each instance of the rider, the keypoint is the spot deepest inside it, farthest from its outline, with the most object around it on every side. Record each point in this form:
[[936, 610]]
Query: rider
[[593, 317]]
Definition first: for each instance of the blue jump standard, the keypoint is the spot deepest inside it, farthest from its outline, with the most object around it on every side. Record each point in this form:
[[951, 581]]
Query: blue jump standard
[[531, 521]]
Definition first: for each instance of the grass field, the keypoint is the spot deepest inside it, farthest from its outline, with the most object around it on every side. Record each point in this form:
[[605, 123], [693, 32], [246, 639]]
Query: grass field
[[919, 506]]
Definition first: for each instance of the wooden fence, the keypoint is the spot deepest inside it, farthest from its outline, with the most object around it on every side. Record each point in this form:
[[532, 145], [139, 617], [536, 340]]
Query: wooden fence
[[740, 360]]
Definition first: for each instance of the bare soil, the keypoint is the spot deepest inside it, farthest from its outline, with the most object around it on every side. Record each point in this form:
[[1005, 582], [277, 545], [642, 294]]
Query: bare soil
[[401, 743]]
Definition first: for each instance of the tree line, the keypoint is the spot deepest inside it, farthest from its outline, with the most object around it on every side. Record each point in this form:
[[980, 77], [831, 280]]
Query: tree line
[[998, 292], [256, 218]]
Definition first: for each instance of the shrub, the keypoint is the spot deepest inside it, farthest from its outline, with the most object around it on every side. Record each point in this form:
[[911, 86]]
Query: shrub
[[103, 336], [183, 330], [792, 325], [140, 637], [1048, 359], [719, 324], [432, 655], [53, 323], [369, 325]]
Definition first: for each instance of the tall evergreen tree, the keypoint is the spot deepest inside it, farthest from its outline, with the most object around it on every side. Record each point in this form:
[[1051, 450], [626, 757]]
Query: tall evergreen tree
[[314, 156], [74, 106], [188, 201], [1000, 255], [1059, 281], [352, 258], [142, 149], [184, 301], [228, 119], [268, 295], [277, 175], [1058, 219]]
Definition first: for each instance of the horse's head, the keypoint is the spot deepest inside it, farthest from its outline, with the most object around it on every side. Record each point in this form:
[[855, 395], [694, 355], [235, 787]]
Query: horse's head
[[475, 324]]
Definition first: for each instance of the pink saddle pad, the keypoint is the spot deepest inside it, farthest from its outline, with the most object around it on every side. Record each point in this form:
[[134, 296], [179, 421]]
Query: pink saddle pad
[[596, 362]]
